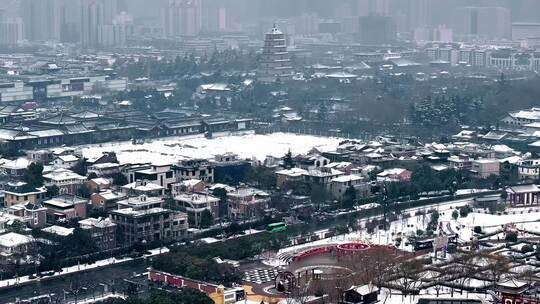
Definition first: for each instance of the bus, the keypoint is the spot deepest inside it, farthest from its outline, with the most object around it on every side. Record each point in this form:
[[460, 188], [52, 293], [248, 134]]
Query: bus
[[276, 227], [424, 244]]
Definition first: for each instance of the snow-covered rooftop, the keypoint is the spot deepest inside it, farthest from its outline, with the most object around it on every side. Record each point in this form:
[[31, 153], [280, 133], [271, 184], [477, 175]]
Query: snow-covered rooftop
[[68, 158], [12, 239], [292, 172], [17, 164], [63, 175], [142, 187], [58, 230], [96, 222], [346, 178]]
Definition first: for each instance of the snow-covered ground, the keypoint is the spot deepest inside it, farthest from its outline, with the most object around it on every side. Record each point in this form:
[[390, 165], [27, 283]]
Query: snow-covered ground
[[408, 226], [250, 146], [95, 299], [394, 297], [464, 226]]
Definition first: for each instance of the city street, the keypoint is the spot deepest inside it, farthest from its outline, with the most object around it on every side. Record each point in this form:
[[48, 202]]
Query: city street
[[77, 285], [92, 282]]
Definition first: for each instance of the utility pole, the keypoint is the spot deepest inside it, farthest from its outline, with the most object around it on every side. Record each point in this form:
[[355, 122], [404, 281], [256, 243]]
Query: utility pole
[[385, 203]]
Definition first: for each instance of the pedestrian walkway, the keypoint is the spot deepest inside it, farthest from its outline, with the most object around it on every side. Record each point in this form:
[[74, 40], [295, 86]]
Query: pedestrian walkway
[[261, 275]]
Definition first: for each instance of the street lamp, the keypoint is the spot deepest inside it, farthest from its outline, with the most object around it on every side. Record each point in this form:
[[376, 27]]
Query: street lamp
[[385, 203], [104, 289], [36, 265], [65, 292]]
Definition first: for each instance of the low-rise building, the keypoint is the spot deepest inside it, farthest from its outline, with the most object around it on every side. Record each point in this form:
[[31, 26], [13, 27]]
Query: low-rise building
[[162, 175], [247, 202], [195, 169], [15, 247], [523, 117], [394, 175], [293, 175], [98, 184], [229, 166], [188, 186], [523, 195], [102, 231], [106, 200], [7, 219], [149, 225], [65, 161], [340, 184], [460, 162], [34, 214], [67, 181], [322, 176], [15, 168], [106, 157], [141, 202], [484, 168], [65, 207], [20, 193], [143, 187], [105, 169], [218, 294], [194, 204], [529, 169], [311, 162], [39, 156], [345, 167], [58, 231]]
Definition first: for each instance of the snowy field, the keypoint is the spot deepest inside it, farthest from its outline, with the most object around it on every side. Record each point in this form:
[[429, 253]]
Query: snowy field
[[172, 149], [407, 226]]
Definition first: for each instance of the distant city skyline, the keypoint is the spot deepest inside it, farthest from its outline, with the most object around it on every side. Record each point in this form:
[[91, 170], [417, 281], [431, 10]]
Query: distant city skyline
[[104, 23]]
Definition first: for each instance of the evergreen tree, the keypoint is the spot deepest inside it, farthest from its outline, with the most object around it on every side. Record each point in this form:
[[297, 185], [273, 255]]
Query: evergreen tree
[[34, 175], [81, 167], [120, 179], [221, 193], [349, 197], [53, 191], [206, 219], [288, 162]]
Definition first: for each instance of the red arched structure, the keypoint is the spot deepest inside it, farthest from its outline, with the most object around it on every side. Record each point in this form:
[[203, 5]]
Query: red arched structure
[[313, 252], [340, 250], [351, 248]]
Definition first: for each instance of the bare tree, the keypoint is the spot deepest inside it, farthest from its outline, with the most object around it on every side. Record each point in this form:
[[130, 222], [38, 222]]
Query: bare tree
[[529, 276], [497, 267], [373, 265], [408, 273], [461, 269], [298, 295]]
